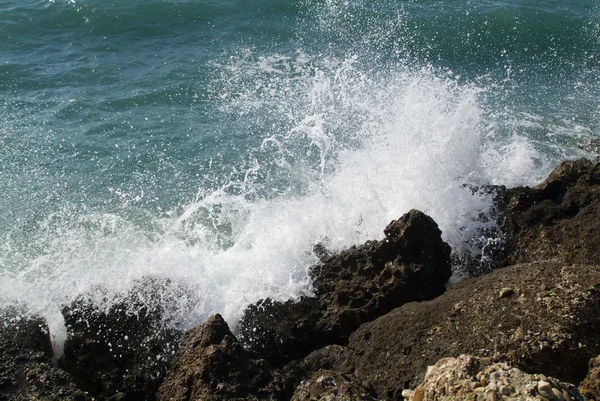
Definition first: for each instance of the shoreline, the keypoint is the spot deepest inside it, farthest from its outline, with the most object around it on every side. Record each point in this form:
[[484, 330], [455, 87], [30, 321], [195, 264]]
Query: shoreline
[[380, 317]]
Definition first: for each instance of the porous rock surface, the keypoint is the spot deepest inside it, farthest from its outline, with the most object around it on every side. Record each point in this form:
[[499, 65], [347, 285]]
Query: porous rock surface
[[539, 317], [412, 263], [213, 365], [465, 379], [26, 371], [331, 386], [590, 386], [121, 353], [556, 220]]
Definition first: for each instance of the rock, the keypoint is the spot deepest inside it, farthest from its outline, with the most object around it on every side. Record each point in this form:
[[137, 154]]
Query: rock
[[355, 286], [506, 292], [556, 220], [23, 340], [550, 325], [121, 353], [453, 379], [545, 389], [590, 386], [331, 386], [327, 358], [26, 371], [213, 365], [42, 381]]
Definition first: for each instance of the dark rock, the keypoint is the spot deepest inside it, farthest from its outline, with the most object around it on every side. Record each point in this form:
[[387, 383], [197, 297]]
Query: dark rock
[[121, 353], [332, 386], [26, 371], [213, 365], [353, 287], [550, 325], [590, 386], [327, 358], [42, 381], [556, 220]]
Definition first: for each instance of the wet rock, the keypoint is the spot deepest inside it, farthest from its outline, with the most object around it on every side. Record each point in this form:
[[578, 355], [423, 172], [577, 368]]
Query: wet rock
[[23, 340], [213, 365], [331, 386], [555, 220], [590, 386], [42, 381], [353, 287], [26, 371], [550, 325], [463, 378], [121, 353]]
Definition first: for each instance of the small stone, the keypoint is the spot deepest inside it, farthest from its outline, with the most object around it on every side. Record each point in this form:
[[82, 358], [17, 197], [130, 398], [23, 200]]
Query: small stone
[[485, 361], [558, 396], [504, 390], [545, 389], [506, 292], [492, 396], [419, 394]]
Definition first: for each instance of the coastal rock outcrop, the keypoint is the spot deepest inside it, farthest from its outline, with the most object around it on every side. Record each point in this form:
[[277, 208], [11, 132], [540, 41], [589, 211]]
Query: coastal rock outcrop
[[26, 371], [412, 263], [556, 220], [466, 379], [121, 353], [539, 317], [213, 365]]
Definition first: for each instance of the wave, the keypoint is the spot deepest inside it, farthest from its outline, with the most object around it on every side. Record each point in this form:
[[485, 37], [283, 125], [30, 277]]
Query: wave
[[221, 174]]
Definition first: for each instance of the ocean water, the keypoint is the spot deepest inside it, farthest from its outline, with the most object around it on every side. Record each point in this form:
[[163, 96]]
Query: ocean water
[[211, 144]]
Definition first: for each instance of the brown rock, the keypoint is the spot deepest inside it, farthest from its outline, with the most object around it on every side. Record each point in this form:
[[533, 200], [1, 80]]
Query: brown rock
[[412, 263], [327, 358], [590, 386], [559, 324], [212, 365], [556, 220], [450, 379], [331, 386]]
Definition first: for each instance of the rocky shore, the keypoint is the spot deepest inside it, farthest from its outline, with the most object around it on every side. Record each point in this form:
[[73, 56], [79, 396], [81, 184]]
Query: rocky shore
[[382, 325]]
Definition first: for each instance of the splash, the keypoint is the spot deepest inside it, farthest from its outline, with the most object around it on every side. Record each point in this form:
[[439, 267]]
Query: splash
[[323, 146]]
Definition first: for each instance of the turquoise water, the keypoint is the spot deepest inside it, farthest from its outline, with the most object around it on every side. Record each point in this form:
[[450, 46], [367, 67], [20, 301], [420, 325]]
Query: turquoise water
[[213, 143]]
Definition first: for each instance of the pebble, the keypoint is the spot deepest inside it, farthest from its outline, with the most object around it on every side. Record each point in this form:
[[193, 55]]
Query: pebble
[[545, 389], [485, 361], [558, 396], [497, 382]]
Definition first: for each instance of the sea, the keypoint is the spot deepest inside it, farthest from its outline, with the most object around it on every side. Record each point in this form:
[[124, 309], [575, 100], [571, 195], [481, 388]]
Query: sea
[[209, 145]]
